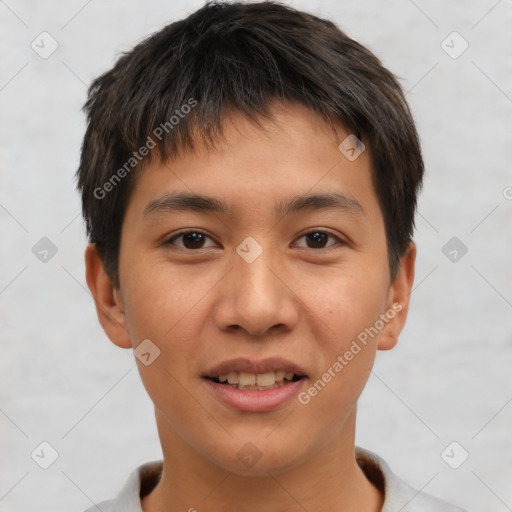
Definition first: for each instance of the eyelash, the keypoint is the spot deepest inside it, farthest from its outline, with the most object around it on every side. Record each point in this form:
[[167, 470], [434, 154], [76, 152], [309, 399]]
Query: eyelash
[[339, 241]]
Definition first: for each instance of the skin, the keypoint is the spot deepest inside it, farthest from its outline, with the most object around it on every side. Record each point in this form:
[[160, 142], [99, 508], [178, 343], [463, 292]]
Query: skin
[[299, 301]]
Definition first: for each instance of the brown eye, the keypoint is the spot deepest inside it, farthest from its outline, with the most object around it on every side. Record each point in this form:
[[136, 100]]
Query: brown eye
[[316, 240], [190, 240], [319, 240]]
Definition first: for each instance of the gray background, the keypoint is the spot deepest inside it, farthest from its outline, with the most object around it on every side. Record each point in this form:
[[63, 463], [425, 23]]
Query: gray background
[[448, 379]]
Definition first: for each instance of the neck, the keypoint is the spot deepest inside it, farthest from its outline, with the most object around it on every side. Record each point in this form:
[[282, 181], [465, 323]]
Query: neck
[[331, 478]]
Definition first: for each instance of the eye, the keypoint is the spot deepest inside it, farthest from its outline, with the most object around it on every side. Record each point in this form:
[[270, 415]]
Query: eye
[[319, 240], [191, 240]]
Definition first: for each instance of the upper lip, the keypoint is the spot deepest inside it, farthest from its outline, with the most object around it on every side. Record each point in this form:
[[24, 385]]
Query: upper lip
[[252, 366]]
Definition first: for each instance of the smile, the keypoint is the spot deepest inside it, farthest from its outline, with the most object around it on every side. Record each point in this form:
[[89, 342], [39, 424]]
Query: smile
[[256, 381], [247, 385]]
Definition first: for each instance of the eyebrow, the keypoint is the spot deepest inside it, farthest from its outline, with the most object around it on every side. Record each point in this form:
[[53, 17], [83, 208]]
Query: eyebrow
[[325, 201], [184, 201], [179, 201]]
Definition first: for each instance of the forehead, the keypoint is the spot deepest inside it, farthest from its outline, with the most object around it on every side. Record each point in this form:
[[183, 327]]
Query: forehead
[[291, 154]]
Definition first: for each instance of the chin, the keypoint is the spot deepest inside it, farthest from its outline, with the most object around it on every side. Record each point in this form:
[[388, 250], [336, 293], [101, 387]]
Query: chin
[[259, 458]]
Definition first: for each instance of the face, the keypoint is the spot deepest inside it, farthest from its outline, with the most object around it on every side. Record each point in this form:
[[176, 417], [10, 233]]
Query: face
[[263, 262]]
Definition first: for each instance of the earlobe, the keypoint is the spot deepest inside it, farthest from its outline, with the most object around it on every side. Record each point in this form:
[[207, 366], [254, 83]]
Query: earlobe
[[398, 300], [108, 300]]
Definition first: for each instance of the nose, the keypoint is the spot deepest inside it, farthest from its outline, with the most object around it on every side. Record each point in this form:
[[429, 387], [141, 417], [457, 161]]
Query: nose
[[257, 299]]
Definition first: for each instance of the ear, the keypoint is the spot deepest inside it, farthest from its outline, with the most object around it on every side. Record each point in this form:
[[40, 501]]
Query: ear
[[108, 300], [398, 299]]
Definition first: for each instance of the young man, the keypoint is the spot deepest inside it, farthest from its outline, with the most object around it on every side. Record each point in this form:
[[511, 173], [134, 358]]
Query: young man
[[249, 179]]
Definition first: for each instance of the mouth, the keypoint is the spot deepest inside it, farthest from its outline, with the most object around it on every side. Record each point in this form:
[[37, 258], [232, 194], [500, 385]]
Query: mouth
[[255, 386], [247, 381]]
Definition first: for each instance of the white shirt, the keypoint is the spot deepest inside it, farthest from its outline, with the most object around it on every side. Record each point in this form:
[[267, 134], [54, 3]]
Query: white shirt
[[398, 496]]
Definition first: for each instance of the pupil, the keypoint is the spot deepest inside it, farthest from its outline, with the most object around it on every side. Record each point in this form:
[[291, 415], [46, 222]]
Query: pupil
[[317, 239], [193, 240]]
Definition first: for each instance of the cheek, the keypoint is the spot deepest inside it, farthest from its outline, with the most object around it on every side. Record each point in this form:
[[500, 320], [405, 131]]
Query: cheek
[[179, 407], [350, 308], [347, 356], [164, 310], [160, 303], [158, 310], [357, 308], [347, 302]]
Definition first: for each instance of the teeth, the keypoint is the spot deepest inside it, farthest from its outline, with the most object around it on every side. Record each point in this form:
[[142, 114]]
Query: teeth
[[280, 375], [233, 378], [245, 380], [266, 379]]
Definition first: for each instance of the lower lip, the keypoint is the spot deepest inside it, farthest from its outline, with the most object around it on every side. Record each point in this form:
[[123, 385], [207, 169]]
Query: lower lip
[[255, 401]]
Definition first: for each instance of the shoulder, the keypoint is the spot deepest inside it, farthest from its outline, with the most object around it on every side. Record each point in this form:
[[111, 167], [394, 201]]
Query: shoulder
[[398, 495], [140, 482]]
